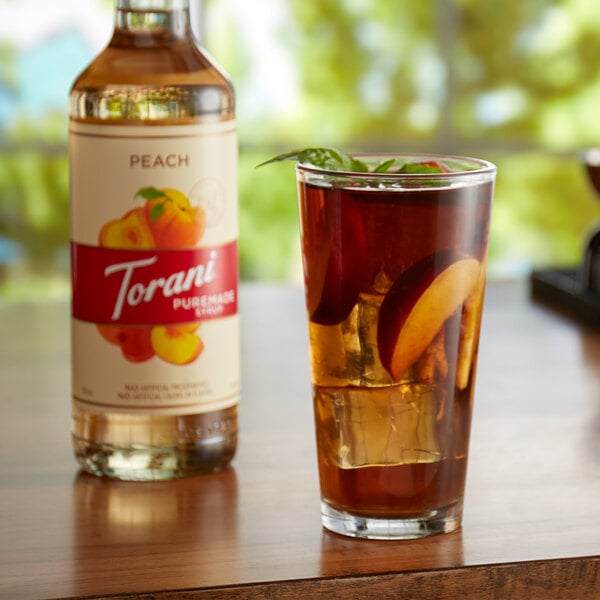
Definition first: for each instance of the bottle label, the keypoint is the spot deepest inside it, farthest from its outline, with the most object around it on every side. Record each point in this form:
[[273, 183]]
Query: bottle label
[[154, 267]]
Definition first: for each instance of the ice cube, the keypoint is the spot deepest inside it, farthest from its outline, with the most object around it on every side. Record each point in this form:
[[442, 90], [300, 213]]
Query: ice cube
[[384, 426]]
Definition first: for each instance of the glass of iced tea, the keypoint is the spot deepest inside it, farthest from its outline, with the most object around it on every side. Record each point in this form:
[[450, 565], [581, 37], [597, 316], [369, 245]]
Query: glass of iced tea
[[394, 263]]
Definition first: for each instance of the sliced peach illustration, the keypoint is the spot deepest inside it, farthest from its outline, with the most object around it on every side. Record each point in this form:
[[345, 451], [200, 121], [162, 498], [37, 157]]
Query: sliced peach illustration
[[137, 346], [110, 333], [469, 329], [131, 231], [417, 305], [336, 273], [177, 344], [174, 221], [134, 342]]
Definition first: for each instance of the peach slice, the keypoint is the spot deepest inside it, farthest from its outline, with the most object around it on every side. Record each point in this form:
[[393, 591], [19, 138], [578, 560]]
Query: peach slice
[[131, 231], [418, 304], [334, 277], [433, 364], [174, 221], [469, 327], [177, 344]]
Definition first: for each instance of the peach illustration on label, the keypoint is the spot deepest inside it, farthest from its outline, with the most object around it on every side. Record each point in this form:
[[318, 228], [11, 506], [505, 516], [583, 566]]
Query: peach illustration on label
[[167, 220], [173, 220], [135, 342], [131, 231], [177, 344]]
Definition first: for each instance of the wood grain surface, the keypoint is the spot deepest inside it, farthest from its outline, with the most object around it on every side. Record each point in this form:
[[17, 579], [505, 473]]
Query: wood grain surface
[[532, 516]]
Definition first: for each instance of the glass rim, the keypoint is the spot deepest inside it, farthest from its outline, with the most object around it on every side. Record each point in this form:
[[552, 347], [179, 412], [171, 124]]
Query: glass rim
[[485, 167]]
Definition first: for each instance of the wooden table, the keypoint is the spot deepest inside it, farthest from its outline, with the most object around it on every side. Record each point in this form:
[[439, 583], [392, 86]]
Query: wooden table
[[532, 510]]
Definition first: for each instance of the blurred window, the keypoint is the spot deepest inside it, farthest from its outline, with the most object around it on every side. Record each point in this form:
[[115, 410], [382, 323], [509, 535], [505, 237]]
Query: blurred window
[[517, 83]]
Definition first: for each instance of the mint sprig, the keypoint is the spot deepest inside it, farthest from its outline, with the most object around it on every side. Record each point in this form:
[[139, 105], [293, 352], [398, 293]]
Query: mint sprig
[[323, 158], [335, 160]]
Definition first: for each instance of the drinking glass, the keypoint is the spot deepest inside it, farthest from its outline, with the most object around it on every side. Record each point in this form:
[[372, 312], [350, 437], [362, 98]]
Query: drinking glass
[[394, 267]]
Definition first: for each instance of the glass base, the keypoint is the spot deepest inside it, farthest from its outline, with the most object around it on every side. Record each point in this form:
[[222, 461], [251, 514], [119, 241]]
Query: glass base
[[443, 520]]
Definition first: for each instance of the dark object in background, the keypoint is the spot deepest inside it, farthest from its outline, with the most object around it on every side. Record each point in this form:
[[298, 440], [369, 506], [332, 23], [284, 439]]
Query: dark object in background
[[576, 291]]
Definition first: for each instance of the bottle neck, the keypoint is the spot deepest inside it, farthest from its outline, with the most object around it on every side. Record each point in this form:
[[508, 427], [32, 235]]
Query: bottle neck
[[170, 17], [150, 5]]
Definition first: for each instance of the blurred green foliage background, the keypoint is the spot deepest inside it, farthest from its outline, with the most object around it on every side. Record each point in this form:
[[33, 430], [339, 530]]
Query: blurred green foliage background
[[517, 83]]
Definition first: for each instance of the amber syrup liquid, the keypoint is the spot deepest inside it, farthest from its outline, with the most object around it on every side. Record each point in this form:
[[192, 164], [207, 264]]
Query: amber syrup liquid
[[389, 449], [152, 73]]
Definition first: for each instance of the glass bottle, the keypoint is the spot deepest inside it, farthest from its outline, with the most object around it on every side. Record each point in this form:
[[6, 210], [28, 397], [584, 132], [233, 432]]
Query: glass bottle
[[153, 175]]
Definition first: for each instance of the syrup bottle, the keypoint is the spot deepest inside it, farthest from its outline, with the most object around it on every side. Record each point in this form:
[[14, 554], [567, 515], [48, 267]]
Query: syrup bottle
[[154, 221]]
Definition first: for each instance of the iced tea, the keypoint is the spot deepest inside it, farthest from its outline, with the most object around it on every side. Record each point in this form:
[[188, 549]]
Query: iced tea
[[394, 270]]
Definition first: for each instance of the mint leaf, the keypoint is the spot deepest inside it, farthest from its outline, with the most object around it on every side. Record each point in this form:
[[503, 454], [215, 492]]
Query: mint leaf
[[384, 166], [323, 158], [150, 193], [419, 168]]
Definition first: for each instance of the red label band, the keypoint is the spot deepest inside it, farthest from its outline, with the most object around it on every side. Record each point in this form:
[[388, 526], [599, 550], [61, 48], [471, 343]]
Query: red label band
[[153, 287]]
